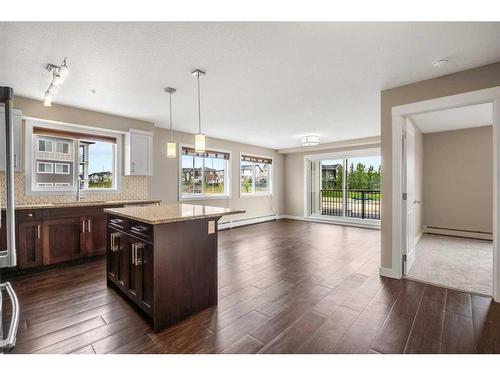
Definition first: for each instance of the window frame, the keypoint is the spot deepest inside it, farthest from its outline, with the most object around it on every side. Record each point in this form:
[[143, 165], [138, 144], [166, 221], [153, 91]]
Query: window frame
[[31, 187], [63, 164], [204, 196], [270, 189], [63, 143], [38, 163], [46, 141]]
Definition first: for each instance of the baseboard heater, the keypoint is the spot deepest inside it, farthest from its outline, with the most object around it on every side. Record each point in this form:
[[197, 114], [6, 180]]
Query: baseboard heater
[[247, 221], [476, 234]]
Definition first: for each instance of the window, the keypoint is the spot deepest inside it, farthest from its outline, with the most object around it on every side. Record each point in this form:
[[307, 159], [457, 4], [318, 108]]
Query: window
[[44, 167], [44, 145], [62, 158], [255, 175], [62, 147], [62, 168], [203, 175]]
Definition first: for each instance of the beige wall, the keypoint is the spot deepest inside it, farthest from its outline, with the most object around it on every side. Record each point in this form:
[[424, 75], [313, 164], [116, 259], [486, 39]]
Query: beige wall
[[294, 177], [133, 187], [468, 80], [164, 182], [419, 181], [458, 175]]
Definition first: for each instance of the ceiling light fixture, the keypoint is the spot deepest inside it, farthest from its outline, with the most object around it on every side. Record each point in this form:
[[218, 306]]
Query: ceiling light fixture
[[171, 145], [310, 140], [59, 74], [199, 139], [440, 62]]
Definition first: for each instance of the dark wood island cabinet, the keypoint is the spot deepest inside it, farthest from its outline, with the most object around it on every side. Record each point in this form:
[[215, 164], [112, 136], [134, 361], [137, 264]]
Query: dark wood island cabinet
[[164, 258]]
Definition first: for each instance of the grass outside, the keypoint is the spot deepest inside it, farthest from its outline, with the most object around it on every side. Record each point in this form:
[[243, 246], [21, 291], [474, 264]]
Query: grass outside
[[101, 184]]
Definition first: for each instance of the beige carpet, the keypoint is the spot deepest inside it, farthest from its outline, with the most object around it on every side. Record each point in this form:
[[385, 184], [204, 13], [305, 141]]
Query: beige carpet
[[458, 263]]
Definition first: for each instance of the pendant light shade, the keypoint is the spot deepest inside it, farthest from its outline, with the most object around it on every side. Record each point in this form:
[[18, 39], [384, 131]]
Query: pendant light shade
[[199, 143], [199, 139], [171, 150], [171, 145]]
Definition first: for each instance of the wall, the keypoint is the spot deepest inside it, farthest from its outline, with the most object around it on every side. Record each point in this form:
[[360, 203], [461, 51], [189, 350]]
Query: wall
[[294, 175], [458, 175], [419, 182], [164, 182], [469, 80], [133, 187]]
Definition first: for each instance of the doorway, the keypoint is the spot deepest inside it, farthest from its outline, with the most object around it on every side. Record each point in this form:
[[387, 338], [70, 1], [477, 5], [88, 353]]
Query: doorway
[[404, 250], [448, 182]]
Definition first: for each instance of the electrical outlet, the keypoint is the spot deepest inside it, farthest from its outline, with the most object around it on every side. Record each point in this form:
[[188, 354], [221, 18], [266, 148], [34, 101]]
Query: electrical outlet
[[211, 227]]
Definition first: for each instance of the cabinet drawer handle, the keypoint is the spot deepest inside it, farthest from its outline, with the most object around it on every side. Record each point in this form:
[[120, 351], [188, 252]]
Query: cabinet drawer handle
[[38, 231]]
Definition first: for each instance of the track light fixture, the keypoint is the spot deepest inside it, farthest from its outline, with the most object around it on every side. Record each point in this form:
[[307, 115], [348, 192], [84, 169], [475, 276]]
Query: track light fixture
[[59, 74]]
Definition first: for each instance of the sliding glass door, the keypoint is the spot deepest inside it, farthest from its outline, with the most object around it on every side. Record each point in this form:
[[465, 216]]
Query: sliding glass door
[[346, 187]]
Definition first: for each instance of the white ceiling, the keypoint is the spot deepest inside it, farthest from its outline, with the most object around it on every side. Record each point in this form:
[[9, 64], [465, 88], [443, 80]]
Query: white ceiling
[[266, 84], [455, 118]]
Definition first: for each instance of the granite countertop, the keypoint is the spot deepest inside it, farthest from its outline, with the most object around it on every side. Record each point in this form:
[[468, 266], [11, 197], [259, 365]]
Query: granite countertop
[[85, 203], [170, 213]]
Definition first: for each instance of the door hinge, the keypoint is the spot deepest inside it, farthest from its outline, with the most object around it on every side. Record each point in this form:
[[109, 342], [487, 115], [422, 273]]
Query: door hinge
[[404, 196]]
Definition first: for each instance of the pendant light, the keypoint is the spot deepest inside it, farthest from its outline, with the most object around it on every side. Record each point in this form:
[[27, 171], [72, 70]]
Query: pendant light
[[199, 139], [171, 145]]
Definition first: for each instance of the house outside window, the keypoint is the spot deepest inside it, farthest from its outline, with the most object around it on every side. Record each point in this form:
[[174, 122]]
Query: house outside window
[[61, 158], [203, 175], [255, 175]]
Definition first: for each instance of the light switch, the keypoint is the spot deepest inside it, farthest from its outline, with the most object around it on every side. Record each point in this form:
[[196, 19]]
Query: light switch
[[211, 227]]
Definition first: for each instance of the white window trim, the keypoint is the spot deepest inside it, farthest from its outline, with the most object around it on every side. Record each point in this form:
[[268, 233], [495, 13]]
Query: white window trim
[[31, 189], [199, 197], [46, 141], [116, 177], [61, 142], [269, 193], [38, 163], [55, 168]]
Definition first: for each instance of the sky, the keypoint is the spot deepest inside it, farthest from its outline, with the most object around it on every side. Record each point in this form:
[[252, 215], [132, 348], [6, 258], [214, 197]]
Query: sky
[[101, 157]]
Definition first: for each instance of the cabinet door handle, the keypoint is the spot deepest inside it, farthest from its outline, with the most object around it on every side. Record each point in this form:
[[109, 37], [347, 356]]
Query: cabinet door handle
[[83, 226], [114, 248], [15, 161], [89, 225], [38, 231], [138, 261], [133, 166], [133, 254]]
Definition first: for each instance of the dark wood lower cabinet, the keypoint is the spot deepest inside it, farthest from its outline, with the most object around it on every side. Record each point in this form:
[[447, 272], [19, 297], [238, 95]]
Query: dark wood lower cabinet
[[63, 239], [29, 244], [130, 267], [95, 234]]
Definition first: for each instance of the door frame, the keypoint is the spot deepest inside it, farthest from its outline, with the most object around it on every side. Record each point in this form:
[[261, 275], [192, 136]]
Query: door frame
[[399, 115]]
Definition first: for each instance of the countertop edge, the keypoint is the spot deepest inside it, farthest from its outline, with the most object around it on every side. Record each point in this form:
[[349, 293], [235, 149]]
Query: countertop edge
[[51, 206]]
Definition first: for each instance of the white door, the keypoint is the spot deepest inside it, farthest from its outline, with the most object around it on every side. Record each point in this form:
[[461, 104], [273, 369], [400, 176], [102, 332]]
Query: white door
[[408, 196]]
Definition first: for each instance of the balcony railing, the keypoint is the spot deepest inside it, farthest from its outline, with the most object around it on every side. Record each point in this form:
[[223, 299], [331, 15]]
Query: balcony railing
[[362, 204]]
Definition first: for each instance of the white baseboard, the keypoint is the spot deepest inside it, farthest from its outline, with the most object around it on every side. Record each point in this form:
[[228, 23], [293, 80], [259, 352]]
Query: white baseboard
[[249, 221], [331, 221], [459, 233], [387, 272]]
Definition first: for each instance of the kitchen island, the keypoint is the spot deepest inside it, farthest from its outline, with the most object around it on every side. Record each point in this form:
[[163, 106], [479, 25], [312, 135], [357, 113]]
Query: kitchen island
[[164, 258]]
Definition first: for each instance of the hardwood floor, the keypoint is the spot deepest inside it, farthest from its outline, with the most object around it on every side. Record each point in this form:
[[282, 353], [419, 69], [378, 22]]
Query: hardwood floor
[[284, 287]]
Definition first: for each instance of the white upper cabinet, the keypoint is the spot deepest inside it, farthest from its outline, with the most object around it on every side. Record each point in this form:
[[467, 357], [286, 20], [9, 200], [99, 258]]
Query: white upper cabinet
[[16, 118], [138, 153]]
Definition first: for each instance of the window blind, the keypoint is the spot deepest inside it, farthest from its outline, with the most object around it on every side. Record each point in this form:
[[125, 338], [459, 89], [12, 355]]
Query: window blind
[[207, 154], [256, 159], [69, 134]]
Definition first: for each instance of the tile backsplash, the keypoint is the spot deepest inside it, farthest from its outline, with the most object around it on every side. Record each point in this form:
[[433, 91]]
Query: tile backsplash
[[133, 187]]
